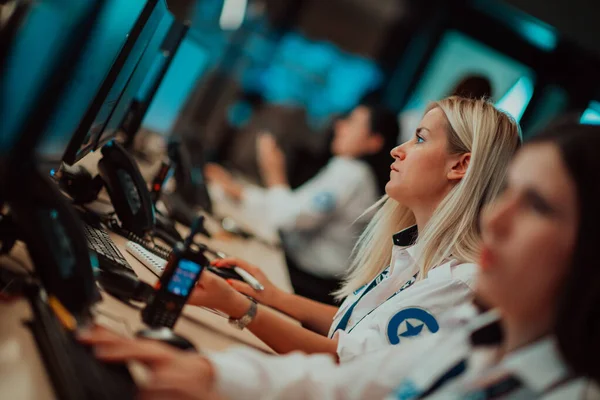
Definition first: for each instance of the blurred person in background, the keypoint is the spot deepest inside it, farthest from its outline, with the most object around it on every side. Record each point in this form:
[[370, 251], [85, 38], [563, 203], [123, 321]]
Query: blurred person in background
[[319, 221]]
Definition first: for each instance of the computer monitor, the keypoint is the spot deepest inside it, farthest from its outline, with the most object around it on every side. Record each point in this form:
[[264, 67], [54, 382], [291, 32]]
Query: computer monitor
[[29, 64], [96, 84], [146, 78], [35, 71]]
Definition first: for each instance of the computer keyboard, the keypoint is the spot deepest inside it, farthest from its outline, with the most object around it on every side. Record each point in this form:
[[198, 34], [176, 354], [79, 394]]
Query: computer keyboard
[[108, 254], [74, 371]]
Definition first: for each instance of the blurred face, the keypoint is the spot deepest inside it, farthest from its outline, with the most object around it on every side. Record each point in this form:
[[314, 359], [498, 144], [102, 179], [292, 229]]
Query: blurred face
[[419, 175], [353, 136], [529, 236]]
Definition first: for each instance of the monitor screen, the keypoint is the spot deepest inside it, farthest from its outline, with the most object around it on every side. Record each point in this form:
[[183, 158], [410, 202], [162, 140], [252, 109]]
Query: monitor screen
[[75, 121], [144, 62], [189, 63], [34, 52]]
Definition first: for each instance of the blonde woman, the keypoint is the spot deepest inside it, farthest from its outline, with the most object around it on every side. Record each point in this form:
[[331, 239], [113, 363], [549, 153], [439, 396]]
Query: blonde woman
[[399, 283]]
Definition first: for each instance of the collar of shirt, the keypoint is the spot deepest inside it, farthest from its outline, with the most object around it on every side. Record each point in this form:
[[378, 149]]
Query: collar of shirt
[[406, 237], [404, 241], [404, 244], [538, 366]]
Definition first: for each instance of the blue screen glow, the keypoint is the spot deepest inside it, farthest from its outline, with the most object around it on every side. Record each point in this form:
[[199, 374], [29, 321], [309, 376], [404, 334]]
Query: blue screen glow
[[183, 278], [516, 100], [591, 116]]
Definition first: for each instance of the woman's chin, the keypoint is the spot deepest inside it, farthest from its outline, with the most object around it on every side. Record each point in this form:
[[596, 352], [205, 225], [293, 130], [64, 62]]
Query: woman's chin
[[387, 189], [393, 191]]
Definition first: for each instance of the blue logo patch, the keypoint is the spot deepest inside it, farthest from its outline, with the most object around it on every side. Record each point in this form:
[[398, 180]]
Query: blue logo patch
[[415, 318], [407, 390], [324, 202]]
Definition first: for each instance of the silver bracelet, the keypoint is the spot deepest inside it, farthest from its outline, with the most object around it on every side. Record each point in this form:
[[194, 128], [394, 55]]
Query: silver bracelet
[[243, 322]]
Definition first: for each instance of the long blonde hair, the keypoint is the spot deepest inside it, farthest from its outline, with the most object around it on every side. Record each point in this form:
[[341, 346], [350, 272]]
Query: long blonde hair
[[476, 127]]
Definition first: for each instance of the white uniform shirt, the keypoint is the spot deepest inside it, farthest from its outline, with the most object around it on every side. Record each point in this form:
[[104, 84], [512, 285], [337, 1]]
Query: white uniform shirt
[[465, 367], [394, 373], [318, 219], [377, 321], [401, 308]]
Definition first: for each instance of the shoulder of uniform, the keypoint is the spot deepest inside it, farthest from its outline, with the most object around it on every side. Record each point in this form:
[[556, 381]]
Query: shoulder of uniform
[[464, 269], [455, 270]]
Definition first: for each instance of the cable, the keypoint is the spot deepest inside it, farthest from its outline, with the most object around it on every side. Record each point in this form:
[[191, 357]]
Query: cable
[[149, 245]]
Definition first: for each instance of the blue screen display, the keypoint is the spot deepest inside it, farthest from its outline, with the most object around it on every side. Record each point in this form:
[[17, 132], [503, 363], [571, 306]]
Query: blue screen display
[[107, 38], [183, 278], [32, 56]]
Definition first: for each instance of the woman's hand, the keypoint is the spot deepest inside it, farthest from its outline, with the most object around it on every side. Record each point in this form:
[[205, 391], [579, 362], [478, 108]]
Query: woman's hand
[[173, 374], [271, 295], [220, 176], [215, 292], [271, 160]]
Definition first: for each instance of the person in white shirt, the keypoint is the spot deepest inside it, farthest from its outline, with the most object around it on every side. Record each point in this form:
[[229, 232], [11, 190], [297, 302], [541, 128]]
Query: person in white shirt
[[539, 275], [439, 180], [318, 221]]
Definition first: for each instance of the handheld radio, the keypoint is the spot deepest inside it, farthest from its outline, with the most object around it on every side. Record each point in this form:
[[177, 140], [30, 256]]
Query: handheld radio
[[159, 180], [182, 272]]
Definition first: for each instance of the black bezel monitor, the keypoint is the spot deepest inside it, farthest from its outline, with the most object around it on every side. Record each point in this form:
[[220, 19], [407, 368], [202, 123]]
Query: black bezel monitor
[[113, 47], [139, 108], [148, 73]]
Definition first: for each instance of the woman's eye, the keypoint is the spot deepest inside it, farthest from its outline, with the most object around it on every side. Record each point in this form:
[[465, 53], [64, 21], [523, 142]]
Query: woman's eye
[[419, 138], [538, 203]]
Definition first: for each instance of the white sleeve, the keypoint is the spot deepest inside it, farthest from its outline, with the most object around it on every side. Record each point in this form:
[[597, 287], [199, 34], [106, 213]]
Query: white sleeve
[[405, 319], [244, 373], [311, 204]]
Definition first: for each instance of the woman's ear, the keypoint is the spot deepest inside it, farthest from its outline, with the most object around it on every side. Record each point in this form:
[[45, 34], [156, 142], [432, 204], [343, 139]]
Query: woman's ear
[[459, 167]]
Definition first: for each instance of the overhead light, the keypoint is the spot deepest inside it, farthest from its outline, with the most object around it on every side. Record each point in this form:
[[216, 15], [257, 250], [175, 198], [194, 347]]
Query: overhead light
[[591, 116], [516, 100], [233, 13]]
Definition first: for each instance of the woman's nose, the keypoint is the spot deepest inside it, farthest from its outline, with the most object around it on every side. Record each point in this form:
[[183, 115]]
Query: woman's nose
[[398, 152]]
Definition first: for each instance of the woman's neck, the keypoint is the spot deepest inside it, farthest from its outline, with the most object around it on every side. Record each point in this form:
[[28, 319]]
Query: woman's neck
[[422, 215], [519, 332], [424, 210]]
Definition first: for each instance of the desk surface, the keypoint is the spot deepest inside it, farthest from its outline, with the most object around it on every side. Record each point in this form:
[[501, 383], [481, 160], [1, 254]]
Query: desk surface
[[22, 373]]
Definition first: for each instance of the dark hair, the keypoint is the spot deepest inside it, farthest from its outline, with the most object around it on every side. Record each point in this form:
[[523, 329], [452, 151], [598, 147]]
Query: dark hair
[[385, 123], [473, 87], [578, 316]]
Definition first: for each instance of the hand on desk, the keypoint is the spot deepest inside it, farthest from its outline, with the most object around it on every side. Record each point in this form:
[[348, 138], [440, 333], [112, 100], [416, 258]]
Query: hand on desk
[[268, 296], [173, 374]]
